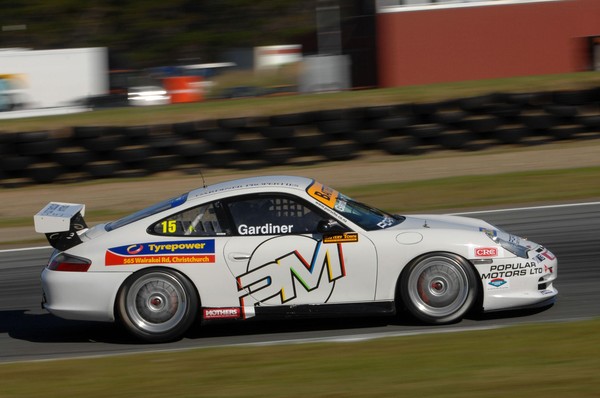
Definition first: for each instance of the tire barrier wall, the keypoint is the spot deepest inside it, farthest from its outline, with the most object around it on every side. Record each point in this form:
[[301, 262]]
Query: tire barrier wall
[[83, 153]]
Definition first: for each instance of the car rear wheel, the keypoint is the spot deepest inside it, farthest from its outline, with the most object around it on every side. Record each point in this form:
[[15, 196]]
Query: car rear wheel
[[439, 288], [157, 305]]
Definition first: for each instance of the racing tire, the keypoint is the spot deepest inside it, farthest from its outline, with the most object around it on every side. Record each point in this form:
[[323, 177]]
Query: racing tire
[[380, 112], [290, 119], [16, 162], [45, 173], [342, 150], [233, 123], [219, 136], [392, 122], [539, 121], [337, 127], [480, 102], [278, 133], [102, 168], [251, 145], [510, 134], [279, 156], [192, 148], [160, 163], [439, 288], [157, 305], [429, 131], [456, 139], [402, 145], [368, 138], [133, 153], [573, 97], [103, 144], [481, 125], [450, 117], [73, 157]]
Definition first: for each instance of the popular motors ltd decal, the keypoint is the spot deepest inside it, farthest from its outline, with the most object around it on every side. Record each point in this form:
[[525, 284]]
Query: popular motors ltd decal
[[304, 272], [178, 252], [511, 270]]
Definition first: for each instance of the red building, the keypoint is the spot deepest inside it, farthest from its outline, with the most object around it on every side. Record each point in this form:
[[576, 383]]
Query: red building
[[451, 41]]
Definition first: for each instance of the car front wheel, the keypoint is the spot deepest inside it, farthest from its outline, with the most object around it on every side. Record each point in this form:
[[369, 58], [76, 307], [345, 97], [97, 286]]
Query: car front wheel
[[439, 288], [157, 305]]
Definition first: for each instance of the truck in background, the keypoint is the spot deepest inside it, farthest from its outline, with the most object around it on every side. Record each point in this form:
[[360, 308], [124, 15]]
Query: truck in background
[[52, 78]]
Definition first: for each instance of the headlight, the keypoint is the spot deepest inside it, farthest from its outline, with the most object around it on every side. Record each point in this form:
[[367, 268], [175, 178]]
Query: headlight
[[512, 246], [511, 243]]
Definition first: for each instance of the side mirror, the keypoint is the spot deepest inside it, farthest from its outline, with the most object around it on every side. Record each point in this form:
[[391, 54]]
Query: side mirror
[[329, 226]]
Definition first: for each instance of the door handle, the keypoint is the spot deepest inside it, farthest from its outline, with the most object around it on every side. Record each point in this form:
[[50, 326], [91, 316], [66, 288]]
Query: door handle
[[239, 256]]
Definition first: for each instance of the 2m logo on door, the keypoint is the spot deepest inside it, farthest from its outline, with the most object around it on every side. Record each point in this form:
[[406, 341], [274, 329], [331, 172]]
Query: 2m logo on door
[[304, 274]]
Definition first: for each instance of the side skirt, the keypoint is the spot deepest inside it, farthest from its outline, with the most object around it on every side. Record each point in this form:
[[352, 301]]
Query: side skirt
[[381, 308]]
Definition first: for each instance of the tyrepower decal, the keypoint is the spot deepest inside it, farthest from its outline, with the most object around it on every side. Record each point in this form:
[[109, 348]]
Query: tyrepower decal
[[178, 252]]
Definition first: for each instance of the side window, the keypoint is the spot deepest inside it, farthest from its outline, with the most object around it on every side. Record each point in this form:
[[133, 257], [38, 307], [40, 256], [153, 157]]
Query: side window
[[197, 221], [272, 215]]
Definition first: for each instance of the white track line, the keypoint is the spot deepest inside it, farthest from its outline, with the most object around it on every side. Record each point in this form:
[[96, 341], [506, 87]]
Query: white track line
[[529, 208], [24, 249]]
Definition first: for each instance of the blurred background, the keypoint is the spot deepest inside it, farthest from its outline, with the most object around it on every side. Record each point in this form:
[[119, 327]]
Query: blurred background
[[55, 53]]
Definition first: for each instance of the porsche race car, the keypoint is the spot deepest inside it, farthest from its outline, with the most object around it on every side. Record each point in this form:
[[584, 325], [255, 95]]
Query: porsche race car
[[281, 246]]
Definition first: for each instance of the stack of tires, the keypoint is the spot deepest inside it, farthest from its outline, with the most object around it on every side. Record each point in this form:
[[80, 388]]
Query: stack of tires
[[91, 152]]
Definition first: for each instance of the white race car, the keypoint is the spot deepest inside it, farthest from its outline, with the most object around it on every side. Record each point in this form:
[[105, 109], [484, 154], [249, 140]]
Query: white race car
[[281, 246]]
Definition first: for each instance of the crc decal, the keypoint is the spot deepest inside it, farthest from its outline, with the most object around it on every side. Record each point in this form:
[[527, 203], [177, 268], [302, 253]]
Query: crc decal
[[305, 272], [179, 252], [486, 252], [222, 313], [341, 238], [548, 269], [512, 270]]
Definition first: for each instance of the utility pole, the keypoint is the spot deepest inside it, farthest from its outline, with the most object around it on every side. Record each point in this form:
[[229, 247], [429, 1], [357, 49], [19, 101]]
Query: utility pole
[[329, 37]]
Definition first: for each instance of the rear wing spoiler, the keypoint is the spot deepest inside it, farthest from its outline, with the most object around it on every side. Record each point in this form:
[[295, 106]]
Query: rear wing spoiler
[[61, 223]]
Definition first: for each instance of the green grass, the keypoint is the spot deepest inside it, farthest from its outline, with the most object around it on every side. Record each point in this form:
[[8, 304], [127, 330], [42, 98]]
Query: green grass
[[545, 360], [482, 191], [438, 194], [308, 102]]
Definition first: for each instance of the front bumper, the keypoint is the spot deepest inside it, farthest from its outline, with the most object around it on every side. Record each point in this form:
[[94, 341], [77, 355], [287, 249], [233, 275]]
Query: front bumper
[[515, 282]]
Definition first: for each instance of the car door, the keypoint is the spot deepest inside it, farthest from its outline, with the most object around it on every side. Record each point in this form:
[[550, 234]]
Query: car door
[[279, 257]]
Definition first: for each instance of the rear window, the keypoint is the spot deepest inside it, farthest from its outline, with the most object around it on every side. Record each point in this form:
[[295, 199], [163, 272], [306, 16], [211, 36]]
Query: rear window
[[147, 212]]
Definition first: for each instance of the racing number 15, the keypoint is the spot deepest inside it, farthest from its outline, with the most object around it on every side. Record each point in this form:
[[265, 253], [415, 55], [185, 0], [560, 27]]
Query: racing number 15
[[169, 226]]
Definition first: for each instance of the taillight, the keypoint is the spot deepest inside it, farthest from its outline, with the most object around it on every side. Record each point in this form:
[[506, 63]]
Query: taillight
[[67, 262]]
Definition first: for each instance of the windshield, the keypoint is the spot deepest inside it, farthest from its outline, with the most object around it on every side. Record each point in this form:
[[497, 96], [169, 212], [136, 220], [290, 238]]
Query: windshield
[[367, 217], [147, 212]]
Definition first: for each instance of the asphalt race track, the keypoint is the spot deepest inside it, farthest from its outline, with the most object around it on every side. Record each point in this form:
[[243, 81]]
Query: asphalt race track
[[572, 232]]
